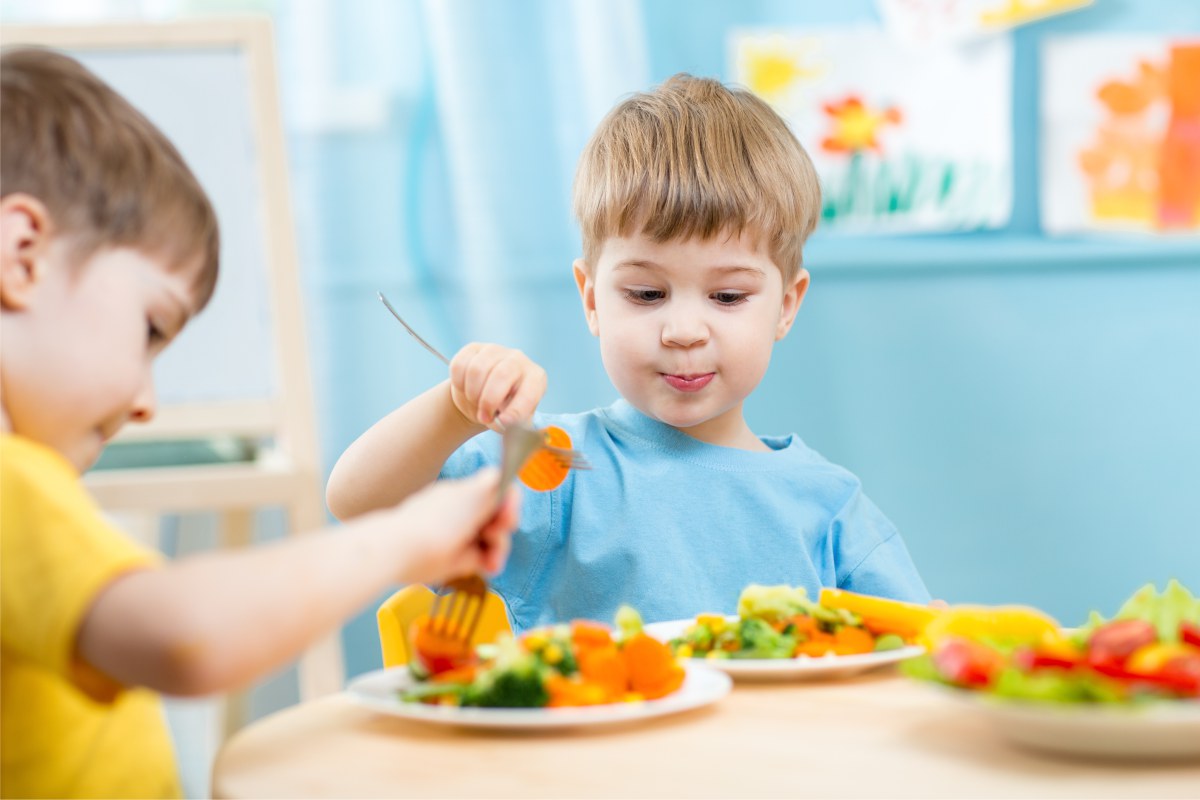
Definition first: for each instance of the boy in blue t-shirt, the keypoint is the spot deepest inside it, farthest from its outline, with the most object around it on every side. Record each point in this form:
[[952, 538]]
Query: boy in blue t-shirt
[[694, 201]]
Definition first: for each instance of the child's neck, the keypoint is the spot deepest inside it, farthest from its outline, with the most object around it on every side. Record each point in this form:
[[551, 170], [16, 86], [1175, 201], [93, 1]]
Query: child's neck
[[728, 430]]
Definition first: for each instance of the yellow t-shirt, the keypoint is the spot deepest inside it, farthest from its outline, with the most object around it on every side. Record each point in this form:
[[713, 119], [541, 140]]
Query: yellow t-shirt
[[66, 730]]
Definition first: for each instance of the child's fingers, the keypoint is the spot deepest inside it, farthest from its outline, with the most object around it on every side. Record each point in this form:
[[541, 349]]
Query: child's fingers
[[468, 371], [502, 381], [524, 398], [480, 379]]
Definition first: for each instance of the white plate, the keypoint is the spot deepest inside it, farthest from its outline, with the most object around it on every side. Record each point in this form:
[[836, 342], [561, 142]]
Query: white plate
[[1161, 731], [799, 668], [380, 690]]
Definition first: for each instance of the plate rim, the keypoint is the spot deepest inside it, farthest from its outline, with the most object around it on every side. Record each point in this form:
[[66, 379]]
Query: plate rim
[[714, 685]]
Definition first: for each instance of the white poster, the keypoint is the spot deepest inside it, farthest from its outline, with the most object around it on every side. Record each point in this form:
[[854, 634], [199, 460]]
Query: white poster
[[903, 141], [1120, 134], [920, 23]]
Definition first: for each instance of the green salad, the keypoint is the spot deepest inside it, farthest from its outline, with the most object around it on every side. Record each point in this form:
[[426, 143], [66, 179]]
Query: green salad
[[1148, 651]]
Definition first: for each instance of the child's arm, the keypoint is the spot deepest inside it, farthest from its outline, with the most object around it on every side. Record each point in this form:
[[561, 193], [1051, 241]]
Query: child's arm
[[215, 622], [489, 386]]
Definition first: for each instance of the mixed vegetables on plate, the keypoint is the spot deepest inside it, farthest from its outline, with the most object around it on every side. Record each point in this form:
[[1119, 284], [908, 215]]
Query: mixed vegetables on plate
[[782, 622], [583, 663], [1149, 651]]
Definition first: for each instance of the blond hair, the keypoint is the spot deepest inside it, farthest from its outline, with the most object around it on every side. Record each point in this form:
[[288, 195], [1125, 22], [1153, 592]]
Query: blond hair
[[695, 159], [107, 176]]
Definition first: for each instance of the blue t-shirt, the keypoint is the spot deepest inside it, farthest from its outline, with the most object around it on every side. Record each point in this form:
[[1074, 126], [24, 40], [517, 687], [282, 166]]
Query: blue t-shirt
[[675, 527]]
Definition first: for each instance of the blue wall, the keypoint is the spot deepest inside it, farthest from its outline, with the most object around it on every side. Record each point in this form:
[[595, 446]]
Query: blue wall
[[1025, 409]]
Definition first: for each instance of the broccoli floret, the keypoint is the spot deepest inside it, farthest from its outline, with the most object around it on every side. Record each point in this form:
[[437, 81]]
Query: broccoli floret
[[508, 689], [558, 654], [514, 679], [760, 640], [700, 637]]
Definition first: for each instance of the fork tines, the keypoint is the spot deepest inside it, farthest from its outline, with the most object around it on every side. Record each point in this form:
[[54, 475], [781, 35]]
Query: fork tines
[[456, 613], [569, 458]]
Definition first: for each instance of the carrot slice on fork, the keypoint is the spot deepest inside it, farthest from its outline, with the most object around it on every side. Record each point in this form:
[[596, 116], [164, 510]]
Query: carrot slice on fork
[[545, 470]]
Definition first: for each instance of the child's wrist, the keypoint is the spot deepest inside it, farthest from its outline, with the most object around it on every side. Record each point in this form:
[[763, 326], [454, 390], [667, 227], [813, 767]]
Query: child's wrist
[[469, 426]]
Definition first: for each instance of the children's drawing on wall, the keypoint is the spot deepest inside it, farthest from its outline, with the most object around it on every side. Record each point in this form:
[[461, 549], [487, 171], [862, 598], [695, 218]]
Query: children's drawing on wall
[[1121, 141], [931, 22], [903, 141]]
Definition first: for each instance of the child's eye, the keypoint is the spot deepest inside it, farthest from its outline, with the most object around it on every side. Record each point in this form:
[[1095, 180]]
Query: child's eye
[[153, 334], [729, 298], [644, 297]]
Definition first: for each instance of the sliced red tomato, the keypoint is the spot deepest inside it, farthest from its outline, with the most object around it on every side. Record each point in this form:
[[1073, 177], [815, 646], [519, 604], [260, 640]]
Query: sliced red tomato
[[1184, 673], [437, 653], [1112, 643], [1189, 632], [1030, 660], [1178, 676], [967, 663]]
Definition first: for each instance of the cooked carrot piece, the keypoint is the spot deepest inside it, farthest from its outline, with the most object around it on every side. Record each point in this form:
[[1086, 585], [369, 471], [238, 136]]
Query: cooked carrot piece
[[803, 624], [653, 670], [586, 634], [849, 641], [818, 644], [605, 667], [544, 471], [567, 692], [673, 681]]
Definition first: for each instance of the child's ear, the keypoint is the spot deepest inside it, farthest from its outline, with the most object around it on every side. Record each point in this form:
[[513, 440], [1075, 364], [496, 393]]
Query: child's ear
[[24, 240], [793, 296], [587, 294]]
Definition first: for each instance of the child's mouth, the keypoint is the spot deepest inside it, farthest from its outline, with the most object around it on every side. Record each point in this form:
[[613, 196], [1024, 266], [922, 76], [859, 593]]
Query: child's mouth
[[689, 383]]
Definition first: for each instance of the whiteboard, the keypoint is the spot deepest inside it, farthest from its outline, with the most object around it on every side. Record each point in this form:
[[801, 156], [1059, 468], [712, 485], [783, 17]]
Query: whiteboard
[[200, 98]]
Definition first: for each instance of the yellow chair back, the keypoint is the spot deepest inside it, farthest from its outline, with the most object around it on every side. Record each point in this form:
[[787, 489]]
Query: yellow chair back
[[396, 614]]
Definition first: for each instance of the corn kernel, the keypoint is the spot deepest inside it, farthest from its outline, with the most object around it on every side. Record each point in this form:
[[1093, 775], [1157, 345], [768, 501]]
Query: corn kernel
[[714, 622], [534, 642], [552, 653], [684, 651]]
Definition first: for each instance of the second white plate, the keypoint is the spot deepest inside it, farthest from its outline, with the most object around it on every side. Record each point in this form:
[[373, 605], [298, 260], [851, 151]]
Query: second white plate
[[799, 668]]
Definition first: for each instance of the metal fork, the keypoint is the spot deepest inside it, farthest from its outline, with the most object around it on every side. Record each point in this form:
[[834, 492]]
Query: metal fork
[[566, 457]]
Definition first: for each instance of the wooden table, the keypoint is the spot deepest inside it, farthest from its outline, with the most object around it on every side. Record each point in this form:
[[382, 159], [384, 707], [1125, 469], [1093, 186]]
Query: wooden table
[[875, 736]]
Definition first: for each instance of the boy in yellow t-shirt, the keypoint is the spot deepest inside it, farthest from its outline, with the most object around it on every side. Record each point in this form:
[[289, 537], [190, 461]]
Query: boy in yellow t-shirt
[[108, 246]]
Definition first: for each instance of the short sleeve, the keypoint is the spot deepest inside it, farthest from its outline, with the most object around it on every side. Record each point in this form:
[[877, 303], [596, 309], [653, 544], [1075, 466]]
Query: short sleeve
[[871, 555], [57, 554], [478, 452]]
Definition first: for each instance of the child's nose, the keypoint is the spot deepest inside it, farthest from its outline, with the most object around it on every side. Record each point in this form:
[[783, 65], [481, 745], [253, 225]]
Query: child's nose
[[684, 330], [145, 403]]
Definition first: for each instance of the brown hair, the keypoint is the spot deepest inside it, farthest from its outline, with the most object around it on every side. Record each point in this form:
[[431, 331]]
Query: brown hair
[[106, 174], [695, 158]]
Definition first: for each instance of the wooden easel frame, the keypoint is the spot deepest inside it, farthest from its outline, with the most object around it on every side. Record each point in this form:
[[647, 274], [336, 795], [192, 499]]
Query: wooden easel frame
[[288, 474]]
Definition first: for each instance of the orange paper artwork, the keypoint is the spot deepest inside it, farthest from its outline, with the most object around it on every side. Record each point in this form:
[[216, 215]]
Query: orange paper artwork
[[1129, 157]]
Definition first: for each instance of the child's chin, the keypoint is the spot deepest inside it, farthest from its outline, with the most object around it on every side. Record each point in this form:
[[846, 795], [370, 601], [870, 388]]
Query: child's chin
[[680, 418]]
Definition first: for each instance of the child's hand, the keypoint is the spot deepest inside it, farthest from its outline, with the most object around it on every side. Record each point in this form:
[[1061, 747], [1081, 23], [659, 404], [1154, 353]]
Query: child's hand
[[495, 386], [454, 528]]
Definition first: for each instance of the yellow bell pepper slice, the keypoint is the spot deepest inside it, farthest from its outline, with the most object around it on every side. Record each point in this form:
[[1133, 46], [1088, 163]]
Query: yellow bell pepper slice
[[1002, 625], [881, 615]]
